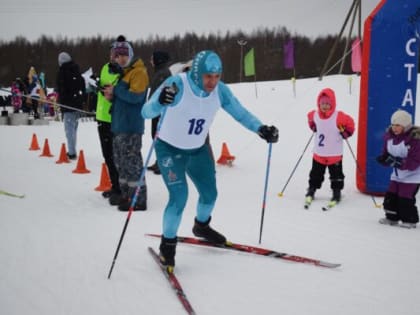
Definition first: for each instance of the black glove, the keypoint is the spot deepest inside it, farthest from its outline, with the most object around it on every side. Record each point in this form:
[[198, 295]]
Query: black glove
[[167, 94], [115, 68], [269, 133], [389, 160]]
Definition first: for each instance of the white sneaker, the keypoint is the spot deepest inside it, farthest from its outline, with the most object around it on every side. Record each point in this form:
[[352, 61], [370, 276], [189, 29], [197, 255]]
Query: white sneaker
[[387, 221], [408, 225]]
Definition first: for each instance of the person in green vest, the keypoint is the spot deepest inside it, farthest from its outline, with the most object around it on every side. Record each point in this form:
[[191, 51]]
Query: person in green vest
[[108, 76]]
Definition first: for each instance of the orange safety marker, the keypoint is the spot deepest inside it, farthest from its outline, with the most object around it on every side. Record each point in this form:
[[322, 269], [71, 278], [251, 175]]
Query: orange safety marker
[[105, 182], [46, 150], [63, 155], [226, 158], [81, 165], [34, 143]]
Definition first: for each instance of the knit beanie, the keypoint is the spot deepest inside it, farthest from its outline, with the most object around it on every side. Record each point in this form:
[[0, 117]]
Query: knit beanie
[[63, 57], [159, 57], [402, 118], [121, 48]]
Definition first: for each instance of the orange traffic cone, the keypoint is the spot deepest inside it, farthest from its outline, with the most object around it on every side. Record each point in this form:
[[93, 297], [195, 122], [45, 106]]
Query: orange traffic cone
[[63, 155], [46, 149], [226, 158], [81, 166], [34, 143], [105, 182]]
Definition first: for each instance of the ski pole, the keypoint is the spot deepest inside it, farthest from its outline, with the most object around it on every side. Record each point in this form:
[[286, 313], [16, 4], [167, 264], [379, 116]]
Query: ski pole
[[360, 171], [133, 201], [267, 172], [137, 191], [280, 194]]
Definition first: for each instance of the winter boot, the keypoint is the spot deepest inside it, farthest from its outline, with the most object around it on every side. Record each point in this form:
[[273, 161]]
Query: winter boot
[[204, 230], [109, 193], [167, 252], [387, 221], [408, 225], [336, 195], [141, 203], [115, 198]]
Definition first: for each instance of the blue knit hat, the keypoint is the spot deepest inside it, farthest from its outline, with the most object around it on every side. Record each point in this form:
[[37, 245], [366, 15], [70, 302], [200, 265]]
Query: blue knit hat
[[204, 62]]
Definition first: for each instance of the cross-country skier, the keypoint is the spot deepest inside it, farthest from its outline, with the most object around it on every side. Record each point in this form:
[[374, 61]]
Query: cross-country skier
[[187, 103], [330, 127]]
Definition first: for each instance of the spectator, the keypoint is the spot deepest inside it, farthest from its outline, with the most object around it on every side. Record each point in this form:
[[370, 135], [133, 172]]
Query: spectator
[[103, 117], [127, 125], [72, 94]]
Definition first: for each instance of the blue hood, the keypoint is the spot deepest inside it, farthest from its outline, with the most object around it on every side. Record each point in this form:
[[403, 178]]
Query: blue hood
[[205, 61]]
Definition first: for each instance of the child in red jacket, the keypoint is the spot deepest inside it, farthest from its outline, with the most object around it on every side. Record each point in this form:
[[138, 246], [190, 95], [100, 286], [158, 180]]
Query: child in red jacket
[[330, 127]]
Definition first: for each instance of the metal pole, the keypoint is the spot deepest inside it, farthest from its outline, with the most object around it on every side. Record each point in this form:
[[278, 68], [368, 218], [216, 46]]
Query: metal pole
[[242, 43]]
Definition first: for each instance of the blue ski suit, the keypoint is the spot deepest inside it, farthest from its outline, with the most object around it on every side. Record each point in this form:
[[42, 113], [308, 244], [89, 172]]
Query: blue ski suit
[[180, 145]]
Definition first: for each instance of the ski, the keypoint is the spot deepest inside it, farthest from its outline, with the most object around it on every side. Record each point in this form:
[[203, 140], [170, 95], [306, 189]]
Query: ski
[[330, 204], [173, 281], [6, 193], [254, 250]]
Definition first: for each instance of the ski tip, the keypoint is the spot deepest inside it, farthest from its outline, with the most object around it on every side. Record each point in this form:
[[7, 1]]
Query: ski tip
[[329, 265]]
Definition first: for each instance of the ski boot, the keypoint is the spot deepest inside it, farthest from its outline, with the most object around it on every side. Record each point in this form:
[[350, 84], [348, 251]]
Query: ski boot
[[309, 197], [203, 230], [167, 252], [336, 197]]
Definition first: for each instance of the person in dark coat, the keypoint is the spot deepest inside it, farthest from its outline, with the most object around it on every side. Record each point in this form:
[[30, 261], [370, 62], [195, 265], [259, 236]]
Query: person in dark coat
[[160, 62], [72, 93]]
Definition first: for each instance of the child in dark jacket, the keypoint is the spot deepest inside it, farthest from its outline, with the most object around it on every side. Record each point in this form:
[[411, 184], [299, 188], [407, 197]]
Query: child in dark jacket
[[330, 128], [401, 151]]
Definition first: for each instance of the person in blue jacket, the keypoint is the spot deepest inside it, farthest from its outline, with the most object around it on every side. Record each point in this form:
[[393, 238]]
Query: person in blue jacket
[[187, 103]]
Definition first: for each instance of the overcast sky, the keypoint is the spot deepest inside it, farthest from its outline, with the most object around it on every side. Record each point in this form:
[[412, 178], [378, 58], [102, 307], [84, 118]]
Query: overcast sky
[[139, 19]]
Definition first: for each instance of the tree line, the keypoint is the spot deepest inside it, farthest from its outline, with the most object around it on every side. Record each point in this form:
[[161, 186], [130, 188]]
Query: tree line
[[310, 56]]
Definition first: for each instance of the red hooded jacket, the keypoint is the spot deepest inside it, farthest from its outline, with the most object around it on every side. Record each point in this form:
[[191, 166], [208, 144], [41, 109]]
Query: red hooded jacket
[[345, 124]]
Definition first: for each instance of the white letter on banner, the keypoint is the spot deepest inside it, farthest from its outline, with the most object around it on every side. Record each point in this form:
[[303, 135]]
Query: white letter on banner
[[408, 98], [410, 52], [409, 67]]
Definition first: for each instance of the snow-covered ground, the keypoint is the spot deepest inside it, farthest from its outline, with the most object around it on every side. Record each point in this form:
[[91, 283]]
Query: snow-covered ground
[[57, 243]]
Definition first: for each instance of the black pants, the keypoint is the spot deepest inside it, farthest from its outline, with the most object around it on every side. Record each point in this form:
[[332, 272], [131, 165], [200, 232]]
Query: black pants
[[400, 208], [105, 137], [316, 176]]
